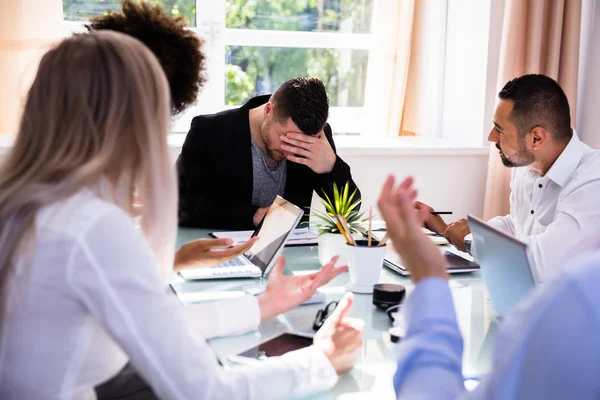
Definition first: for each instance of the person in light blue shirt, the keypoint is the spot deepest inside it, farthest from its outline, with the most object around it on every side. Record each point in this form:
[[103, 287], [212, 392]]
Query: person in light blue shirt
[[546, 349]]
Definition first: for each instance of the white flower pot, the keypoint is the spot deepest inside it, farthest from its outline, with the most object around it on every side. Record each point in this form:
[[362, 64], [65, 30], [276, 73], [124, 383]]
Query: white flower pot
[[331, 244]]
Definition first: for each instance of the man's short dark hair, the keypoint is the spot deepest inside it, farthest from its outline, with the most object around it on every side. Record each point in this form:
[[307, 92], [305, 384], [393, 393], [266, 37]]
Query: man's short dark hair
[[178, 49], [305, 101], [538, 101]]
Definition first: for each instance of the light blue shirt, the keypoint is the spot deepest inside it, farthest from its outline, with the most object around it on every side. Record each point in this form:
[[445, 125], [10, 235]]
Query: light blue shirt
[[548, 348]]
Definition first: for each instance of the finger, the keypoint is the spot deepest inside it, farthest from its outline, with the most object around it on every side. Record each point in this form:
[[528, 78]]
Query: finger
[[297, 150], [346, 335], [405, 209], [386, 192], [279, 266], [412, 195], [298, 160], [407, 183], [216, 243], [353, 323], [300, 137], [333, 260], [343, 308], [422, 206], [335, 272], [387, 206], [237, 250], [321, 277], [422, 216], [211, 243], [298, 144]]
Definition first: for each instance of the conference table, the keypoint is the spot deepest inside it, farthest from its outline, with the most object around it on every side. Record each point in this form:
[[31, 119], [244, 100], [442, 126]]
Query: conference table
[[372, 376]]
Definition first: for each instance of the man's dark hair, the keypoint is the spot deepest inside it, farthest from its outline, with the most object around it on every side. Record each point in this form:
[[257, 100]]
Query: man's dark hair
[[178, 49], [538, 101], [305, 101]]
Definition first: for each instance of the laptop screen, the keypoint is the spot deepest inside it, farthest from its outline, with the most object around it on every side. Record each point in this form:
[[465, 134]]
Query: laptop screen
[[279, 221]]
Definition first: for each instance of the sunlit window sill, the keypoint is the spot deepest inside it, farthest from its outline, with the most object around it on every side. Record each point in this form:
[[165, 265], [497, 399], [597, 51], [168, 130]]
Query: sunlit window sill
[[351, 145]]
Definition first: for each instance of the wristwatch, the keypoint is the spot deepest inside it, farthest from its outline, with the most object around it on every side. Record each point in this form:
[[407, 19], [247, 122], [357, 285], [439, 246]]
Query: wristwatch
[[468, 246]]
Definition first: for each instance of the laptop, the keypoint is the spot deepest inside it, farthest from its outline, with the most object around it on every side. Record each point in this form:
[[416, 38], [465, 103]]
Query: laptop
[[504, 265], [456, 262], [273, 231]]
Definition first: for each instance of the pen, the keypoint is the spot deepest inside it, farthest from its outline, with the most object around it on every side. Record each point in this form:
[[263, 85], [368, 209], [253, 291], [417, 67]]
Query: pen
[[440, 212]]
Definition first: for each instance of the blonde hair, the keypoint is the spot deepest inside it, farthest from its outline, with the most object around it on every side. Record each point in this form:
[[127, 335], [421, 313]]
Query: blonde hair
[[98, 110]]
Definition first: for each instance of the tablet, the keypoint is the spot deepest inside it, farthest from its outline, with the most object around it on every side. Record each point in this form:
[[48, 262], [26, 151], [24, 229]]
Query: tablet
[[274, 347]]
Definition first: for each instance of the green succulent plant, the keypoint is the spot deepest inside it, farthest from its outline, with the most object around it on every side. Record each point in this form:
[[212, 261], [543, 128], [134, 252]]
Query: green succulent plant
[[343, 204]]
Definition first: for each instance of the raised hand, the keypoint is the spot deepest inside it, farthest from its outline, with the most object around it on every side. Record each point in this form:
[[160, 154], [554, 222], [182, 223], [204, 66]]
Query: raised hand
[[285, 292], [340, 337], [420, 256]]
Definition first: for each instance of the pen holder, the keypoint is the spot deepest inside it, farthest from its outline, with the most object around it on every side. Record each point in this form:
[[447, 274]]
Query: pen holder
[[364, 265]]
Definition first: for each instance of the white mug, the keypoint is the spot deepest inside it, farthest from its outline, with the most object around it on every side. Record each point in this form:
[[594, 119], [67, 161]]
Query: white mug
[[364, 264]]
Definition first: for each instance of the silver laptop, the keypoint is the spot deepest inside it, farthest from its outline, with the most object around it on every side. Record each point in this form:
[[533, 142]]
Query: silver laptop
[[273, 231], [504, 265]]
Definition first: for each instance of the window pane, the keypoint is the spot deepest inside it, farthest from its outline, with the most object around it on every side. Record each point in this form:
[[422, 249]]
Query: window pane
[[347, 16], [252, 71], [81, 10]]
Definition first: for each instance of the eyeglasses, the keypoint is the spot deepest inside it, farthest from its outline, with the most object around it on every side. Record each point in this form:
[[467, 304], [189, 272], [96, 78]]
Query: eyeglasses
[[393, 311], [323, 314]]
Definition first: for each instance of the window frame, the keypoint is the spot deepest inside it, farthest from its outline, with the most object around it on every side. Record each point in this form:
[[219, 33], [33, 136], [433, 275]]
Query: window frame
[[210, 26]]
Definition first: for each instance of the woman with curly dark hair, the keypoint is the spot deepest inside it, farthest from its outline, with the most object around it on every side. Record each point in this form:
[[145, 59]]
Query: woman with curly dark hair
[[179, 52], [178, 49]]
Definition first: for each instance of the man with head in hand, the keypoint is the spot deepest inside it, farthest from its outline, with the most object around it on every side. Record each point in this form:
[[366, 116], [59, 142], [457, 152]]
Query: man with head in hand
[[234, 163], [555, 179]]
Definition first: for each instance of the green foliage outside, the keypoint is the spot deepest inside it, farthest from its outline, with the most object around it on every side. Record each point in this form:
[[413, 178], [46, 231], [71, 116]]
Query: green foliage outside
[[81, 10], [250, 71]]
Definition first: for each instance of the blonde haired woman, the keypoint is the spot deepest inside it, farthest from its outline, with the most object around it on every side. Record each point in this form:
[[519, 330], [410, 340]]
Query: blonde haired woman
[[83, 290]]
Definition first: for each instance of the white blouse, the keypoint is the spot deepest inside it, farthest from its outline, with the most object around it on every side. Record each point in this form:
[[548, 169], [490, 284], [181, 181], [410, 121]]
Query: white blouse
[[86, 296]]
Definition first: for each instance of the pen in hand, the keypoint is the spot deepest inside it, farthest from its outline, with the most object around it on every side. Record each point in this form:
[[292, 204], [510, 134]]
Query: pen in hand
[[440, 212]]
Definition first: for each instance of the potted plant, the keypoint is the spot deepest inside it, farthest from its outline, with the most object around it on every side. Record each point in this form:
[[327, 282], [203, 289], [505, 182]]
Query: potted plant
[[331, 241]]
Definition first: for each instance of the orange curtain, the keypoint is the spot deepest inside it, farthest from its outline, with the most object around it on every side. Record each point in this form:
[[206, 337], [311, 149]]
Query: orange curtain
[[538, 36], [27, 29], [388, 64]]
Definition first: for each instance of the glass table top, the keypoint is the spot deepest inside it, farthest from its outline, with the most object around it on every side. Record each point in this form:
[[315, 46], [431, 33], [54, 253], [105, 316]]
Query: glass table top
[[373, 374]]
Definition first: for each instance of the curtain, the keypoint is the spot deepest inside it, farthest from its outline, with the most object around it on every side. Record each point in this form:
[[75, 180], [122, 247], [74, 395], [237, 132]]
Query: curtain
[[27, 29], [406, 67], [538, 36], [388, 64]]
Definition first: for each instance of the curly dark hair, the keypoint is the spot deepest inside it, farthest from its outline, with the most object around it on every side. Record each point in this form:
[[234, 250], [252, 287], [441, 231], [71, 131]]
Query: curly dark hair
[[179, 50]]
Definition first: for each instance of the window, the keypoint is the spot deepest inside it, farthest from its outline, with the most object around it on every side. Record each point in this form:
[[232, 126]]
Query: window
[[253, 46], [81, 10]]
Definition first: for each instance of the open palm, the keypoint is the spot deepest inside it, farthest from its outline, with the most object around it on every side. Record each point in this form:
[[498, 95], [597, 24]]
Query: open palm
[[284, 293]]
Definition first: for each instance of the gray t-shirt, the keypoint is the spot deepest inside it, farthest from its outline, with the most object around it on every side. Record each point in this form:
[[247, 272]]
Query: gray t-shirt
[[269, 180]]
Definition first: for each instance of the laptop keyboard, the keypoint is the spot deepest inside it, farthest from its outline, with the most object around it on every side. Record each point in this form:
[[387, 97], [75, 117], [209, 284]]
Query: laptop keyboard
[[236, 262]]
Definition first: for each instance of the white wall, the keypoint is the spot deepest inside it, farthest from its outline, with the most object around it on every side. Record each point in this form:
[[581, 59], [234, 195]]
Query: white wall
[[446, 182]]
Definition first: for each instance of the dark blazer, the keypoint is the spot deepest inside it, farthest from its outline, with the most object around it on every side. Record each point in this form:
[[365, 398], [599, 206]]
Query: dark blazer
[[215, 172]]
